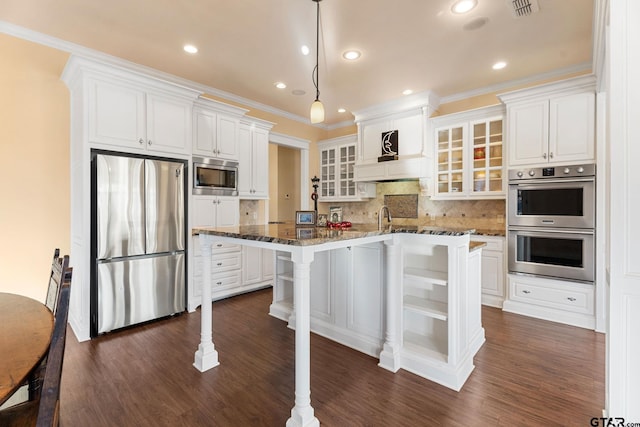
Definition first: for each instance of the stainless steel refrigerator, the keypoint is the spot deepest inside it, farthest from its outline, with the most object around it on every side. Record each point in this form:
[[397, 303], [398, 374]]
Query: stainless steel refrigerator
[[138, 240]]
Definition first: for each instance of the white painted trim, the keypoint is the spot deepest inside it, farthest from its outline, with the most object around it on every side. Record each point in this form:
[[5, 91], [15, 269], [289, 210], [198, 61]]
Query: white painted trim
[[399, 105], [347, 139], [289, 141], [585, 66], [557, 88], [303, 146], [600, 23]]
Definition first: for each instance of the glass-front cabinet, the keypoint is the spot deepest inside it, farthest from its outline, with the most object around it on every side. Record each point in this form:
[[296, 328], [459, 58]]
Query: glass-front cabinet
[[337, 167], [487, 155], [469, 154], [450, 159]]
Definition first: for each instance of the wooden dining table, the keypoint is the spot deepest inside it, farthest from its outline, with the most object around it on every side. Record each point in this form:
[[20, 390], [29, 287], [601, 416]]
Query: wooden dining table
[[25, 333]]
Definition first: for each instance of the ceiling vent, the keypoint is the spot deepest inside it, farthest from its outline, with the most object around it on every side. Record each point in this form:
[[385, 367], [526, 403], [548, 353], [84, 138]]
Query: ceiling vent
[[521, 8]]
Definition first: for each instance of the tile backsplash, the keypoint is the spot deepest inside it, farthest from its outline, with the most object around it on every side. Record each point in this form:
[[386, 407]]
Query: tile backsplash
[[479, 214]]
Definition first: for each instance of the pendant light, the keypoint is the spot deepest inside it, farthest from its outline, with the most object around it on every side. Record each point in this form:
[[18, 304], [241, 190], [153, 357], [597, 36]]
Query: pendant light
[[317, 109]]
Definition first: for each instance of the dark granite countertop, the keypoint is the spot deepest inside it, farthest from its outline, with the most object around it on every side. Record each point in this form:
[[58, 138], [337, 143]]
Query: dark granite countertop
[[288, 234]]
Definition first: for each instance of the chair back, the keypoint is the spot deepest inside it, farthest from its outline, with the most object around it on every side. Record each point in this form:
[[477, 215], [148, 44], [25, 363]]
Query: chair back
[[49, 406], [59, 267]]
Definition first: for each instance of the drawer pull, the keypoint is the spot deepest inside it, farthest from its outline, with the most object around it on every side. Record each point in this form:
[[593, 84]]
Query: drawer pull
[[219, 264], [219, 245], [218, 283], [526, 292], [571, 299]]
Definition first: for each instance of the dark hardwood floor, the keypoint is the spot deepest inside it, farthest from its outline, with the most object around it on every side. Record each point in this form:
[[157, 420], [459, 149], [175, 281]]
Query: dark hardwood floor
[[528, 373]]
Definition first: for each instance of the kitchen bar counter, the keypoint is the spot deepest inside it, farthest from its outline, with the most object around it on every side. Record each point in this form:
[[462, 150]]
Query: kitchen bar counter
[[449, 366], [288, 234]]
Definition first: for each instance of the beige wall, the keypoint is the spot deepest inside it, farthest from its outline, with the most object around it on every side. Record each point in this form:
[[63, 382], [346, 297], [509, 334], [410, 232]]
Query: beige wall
[[34, 177], [288, 195]]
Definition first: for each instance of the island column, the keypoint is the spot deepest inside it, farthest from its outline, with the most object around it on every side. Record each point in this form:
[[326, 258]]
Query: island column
[[302, 413], [206, 357]]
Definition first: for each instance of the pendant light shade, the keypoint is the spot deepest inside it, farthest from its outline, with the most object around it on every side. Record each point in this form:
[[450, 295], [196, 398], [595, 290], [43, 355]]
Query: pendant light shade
[[317, 109], [317, 112]]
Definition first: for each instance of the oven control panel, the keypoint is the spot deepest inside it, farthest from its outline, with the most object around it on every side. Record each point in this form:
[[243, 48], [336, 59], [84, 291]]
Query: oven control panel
[[571, 171]]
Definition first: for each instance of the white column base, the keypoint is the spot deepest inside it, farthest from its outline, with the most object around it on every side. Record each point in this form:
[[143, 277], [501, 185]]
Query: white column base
[[206, 357], [389, 358], [302, 417]]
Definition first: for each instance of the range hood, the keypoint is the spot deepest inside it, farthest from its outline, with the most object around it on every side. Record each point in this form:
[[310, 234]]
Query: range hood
[[406, 120]]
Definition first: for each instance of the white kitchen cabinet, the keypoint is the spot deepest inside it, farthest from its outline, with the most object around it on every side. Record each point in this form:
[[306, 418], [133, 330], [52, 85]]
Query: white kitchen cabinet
[[408, 117], [347, 295], [493, 269], [469, 154], [337, 171], [216, 129], [572, 303], [138, 118], [552, 123], [257, 267], [214, 211], [253, 168]]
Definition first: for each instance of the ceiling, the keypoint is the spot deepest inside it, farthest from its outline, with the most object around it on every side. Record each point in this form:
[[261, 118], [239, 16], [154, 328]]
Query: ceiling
[[245, 46]]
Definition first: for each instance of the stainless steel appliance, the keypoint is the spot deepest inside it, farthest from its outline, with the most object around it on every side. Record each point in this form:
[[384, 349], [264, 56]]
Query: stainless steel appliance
[[553, 197], [561, 253], [551, 213], [138, 240], [215, 177]]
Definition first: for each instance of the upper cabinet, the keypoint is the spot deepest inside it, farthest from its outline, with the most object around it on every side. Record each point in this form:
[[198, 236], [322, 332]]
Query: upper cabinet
[[337, 171], [552, 123], [398, 130], [469, 154], [253, 150], [215, 127], [137, 117]]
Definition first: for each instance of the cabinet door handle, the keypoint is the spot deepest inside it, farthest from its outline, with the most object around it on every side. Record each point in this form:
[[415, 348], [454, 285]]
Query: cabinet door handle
[[551, 155], [218, 283], [526, 292], [141, 141], [571, 299], [544, 155], [219, 264], [219, 245], [149, 142]]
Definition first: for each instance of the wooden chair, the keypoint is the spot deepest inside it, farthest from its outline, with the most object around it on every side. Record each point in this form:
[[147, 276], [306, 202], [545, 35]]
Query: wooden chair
[[58, 267], [43, 410]]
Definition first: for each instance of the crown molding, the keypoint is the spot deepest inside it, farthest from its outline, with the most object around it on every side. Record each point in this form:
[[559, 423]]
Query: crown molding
[[560, 72]]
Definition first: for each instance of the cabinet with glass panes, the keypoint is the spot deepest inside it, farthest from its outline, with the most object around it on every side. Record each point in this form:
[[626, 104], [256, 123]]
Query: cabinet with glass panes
[[337, 164], [469, 154]]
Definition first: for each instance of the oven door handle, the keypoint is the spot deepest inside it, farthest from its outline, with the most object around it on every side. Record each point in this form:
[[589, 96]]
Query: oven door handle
[[540, 182], [538, 230]]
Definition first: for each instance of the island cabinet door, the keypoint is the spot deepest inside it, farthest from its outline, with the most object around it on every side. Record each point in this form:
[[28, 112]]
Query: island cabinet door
[[364, 289]]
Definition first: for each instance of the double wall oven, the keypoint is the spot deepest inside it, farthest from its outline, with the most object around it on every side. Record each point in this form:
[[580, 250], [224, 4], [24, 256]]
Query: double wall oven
[[551, 213]]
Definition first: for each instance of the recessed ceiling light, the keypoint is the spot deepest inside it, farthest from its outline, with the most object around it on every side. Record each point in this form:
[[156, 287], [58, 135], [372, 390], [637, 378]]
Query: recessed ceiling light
[[298, 92], [407, 92], [341, 110], [351, 55], [305, 50], [499, 65], [280, 85], [189, 48], [463, 6]]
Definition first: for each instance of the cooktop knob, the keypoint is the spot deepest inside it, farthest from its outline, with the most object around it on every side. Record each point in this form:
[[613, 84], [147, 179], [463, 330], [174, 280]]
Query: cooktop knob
[[519, 174], [532, 172], [580, 169]]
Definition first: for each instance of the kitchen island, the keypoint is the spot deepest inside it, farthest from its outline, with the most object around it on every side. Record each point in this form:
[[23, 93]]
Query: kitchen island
[[430, 304]]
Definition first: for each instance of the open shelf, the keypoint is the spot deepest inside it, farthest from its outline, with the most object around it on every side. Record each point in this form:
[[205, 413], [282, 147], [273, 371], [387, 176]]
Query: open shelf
[[425, 346], [429, 308], [426, 276]]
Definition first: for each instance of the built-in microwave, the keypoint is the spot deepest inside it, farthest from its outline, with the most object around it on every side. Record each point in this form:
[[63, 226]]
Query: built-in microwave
[[215, 177]]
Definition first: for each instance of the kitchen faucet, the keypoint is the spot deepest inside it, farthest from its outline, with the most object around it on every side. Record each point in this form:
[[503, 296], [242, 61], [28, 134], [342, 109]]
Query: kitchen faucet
[[382, 209]]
